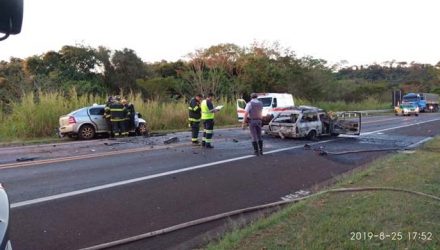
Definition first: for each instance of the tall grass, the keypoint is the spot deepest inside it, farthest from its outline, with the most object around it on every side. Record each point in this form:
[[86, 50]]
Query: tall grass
[[36, 119], [368, 104], [37, 116]]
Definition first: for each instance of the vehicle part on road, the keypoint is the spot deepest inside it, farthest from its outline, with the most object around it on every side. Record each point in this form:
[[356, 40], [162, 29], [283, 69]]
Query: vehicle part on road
[[26, 159], [171, 140], [114, 143], [250, 209], [323, 152]]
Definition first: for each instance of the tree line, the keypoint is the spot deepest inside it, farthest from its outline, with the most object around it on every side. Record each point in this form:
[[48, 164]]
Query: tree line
[[227, 70]]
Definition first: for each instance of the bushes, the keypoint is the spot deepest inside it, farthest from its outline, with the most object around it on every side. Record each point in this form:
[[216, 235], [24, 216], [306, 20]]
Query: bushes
[[36, 119]]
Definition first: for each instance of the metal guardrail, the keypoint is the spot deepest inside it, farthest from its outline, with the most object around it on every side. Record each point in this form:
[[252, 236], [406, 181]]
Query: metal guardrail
[[369, 112]]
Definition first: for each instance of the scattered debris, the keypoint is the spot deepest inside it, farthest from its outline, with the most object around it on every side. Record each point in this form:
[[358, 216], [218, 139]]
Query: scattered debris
[[171, 140], [296, 195], [26, 159], [93, 150], [307, 147], [234, 140], [113, 143]]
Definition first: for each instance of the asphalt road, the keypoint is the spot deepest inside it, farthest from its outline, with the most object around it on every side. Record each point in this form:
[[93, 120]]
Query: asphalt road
[[116, 189]]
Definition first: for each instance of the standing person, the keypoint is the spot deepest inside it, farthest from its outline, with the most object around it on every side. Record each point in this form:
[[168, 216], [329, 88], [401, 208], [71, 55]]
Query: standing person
[[194, 115], [118, 113], [254, 116], [107, 117], [132, 113], [208, 111], [127, 117]]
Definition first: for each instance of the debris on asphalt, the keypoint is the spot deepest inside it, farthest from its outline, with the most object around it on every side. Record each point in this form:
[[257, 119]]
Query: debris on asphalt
[[113, 143], [307, 147], [296, 195], [171, 140], [26, 159], [234, 140]]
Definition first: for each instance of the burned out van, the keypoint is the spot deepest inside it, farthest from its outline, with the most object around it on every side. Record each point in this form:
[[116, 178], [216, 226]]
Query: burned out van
[[311, 122]]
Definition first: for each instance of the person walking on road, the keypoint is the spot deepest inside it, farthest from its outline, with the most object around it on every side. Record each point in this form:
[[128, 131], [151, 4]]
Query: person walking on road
[[208, 111], [254, 117], [194, 115]]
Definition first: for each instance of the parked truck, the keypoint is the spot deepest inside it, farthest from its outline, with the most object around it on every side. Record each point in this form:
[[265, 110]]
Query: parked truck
[[426, 102]]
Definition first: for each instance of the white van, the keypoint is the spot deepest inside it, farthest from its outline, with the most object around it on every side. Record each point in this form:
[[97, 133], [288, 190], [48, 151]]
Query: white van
[[273, 103]]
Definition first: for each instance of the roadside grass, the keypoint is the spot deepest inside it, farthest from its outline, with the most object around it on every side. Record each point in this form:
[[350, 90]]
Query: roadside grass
[[31, 119], [368, 104], [331, 221]]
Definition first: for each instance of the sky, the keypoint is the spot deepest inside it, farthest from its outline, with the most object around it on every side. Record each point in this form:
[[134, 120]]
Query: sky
[[357, 31]]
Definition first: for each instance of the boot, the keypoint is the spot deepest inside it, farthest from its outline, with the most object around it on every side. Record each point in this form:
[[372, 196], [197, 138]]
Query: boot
[[255, 144], [260, 145]]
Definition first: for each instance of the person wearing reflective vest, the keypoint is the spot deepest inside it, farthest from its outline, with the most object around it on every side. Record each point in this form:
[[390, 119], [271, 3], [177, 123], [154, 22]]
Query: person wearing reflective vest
[[118, 115], [254, 117], [208, 120], [194, 115]]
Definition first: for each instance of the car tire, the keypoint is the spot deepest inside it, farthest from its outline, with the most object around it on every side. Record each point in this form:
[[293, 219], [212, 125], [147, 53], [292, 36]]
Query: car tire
[[416, 114], [86, 132], [142, 129], [312, 135]]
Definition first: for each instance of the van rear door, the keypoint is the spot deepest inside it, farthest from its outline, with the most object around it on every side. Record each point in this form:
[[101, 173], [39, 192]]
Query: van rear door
[[241, 105]]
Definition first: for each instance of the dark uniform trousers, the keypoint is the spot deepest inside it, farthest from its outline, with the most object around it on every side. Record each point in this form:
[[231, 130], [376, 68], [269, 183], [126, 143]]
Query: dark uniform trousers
[[208, 131], [195, 128]]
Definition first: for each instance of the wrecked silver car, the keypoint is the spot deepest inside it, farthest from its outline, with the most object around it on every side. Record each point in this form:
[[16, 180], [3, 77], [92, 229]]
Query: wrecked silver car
[[311, 122]]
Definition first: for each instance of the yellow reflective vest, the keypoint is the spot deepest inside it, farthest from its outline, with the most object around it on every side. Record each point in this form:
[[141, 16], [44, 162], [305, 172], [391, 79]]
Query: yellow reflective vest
[[206, 113]]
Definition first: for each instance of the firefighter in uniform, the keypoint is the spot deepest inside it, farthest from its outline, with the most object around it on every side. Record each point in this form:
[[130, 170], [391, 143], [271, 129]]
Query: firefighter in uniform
[[107, 116], [127, 123], [118, 114], [194, 115], [254, 117], [208, 120]]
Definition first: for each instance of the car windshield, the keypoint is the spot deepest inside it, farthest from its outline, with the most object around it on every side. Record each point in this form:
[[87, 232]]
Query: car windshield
[[267, 101]]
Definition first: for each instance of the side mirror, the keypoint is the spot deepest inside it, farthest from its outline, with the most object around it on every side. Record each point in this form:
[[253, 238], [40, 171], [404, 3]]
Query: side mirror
[[274, 104], [11, 17]]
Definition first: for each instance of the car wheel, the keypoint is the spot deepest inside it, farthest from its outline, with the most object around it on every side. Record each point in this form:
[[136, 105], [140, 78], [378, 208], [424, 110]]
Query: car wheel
[[142, 129], [86, 132], [312, 135], [416, 114]]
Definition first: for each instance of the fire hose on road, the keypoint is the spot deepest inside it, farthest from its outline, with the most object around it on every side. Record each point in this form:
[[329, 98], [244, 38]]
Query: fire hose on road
[[250, 209]]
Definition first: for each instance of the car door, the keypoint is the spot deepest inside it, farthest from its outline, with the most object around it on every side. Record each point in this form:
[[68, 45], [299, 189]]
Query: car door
[[308, 122], [348, 123], [97, 117]]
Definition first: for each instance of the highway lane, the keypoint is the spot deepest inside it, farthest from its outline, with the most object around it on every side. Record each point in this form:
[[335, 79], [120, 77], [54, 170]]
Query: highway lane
[[82, 220]]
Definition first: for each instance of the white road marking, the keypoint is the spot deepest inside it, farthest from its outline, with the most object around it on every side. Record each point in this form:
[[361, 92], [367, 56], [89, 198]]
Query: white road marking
[[148, 177], [402, 126]]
